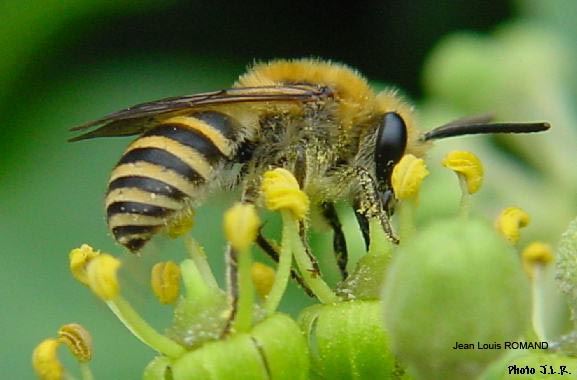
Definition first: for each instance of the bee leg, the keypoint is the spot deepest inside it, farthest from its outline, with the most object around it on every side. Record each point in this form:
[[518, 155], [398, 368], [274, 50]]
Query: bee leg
[[339, 241], [232, 287], [315, 270], [370, 202], [363, 224], [300, 172], [272, 252]]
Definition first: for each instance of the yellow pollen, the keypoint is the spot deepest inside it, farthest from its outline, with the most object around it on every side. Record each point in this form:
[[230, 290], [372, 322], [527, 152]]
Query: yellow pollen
[[281, 192], [45, 360], [510, 222], [180, 224], [263, 278], [408, 176], [468, 166], [78, 340], [79, 259], [165, 282], [102, 276], [536, 254], [241, 225]]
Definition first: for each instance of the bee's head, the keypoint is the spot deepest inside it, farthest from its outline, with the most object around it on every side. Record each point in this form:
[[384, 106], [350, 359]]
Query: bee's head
[[393, 135], [390, 146]]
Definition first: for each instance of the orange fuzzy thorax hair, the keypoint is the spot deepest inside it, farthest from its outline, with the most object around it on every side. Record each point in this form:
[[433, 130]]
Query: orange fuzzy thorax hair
[[356, 99]]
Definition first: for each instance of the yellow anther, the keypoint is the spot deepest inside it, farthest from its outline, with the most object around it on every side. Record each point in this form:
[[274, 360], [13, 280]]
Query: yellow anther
[[407, 177], [263, 278], [165, 281], [536, 254], [241, 225], [102, 276], [467, 166], [281, 192], [510, 222], [45, 360], [180, 224], [79, 259], [78, 341]]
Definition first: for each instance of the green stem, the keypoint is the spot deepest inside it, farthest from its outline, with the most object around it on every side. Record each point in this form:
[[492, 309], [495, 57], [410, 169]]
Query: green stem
[[282, 274], [406, 219], [465, 205], [197, 254], [537, 296], [380, 244], [142, 330], [85, 371], [313, 280], [243, 320], [197, 289]]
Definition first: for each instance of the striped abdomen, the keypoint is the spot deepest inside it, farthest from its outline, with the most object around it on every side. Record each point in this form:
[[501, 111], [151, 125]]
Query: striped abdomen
[[161, 171]]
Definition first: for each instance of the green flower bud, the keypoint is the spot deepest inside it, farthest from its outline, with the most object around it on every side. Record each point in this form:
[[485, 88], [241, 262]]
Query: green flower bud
[[457, 282], [274, 349], [157, 369], [347, 341], [366, 281]]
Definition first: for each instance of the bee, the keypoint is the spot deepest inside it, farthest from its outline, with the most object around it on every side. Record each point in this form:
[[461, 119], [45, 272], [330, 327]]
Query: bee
[[320, 120]]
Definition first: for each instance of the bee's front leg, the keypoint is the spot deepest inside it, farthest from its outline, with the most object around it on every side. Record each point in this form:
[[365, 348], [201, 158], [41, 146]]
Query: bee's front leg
[[371, 203]]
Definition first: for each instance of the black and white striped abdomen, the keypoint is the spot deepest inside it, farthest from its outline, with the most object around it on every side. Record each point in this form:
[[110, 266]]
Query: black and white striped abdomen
[[161, 171]]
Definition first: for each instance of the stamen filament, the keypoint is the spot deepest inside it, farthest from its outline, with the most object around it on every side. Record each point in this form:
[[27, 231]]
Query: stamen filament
[[197, 254], [314, 282], [282, 273], [142, 330], [538, 296], [380, 244], [406, 211], [465, 204], [85, 371]]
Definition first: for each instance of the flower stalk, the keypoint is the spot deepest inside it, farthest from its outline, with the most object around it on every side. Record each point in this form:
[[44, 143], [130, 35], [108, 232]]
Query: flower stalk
[[197, 254], [283, 271], [100, 273], [536, 257], [281, 192]]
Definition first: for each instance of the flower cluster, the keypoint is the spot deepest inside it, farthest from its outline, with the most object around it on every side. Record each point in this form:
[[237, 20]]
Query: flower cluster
[[397, 315]]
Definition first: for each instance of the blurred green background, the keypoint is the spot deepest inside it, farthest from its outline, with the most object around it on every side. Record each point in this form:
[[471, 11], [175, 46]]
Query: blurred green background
[[65, 62]]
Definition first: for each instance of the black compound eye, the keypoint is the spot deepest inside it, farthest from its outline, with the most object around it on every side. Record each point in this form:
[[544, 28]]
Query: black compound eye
[[390, 144]]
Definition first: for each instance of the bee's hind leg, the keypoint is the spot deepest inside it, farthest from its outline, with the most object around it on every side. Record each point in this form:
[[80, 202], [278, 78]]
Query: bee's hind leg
[[273, 252], [231, 264], [339, 242], [249, 196]]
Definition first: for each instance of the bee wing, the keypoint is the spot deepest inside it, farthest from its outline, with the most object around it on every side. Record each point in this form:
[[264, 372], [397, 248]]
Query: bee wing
[[139, 118]]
